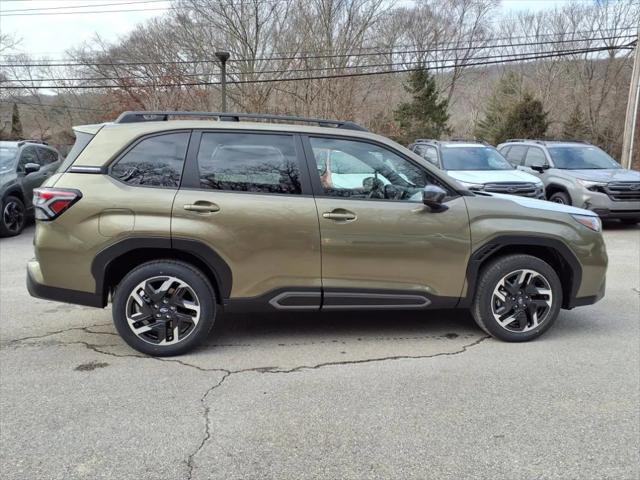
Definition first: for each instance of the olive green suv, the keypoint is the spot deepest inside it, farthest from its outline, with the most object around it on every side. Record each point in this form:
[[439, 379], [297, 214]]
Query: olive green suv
[[177, 216]]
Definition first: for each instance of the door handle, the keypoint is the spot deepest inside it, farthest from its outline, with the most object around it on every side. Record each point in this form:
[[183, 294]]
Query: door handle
[[340, 215], [202, 207]]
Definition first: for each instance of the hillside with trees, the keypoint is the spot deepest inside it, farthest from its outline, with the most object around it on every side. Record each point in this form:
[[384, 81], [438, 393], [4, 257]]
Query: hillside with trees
[[458, 68]]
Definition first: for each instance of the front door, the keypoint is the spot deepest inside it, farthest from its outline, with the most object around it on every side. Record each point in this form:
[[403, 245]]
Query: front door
[[244, 197], [381, 247]]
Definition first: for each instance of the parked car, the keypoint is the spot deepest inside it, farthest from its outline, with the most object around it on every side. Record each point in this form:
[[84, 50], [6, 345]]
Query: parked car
[[580, 174], [24, 165], [478, 166], [175, 220]]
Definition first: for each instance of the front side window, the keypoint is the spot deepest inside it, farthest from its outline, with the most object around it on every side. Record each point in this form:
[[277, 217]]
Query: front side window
[[535, 157], [154, 161], [429, 153], [47, 157], [249, 162], [473, 158], [515, 154], [581, 158], [353, 169], [28, 155]]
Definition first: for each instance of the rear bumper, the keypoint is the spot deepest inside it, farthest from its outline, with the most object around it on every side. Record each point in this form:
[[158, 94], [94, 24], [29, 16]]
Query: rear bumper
[[46, 292]]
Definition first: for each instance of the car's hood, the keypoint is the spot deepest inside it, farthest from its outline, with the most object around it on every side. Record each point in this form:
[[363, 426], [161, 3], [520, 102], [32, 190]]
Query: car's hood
[[542, 204], [491, 176], [606, 175]]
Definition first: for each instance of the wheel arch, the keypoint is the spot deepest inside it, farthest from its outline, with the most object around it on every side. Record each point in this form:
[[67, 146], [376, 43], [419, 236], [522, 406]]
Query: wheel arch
[[555, 187], [14, 191], [111, 264], [550, 250]]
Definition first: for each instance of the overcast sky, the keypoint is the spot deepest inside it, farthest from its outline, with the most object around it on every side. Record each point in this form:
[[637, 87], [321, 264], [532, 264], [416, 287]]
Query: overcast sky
[[51, 35]]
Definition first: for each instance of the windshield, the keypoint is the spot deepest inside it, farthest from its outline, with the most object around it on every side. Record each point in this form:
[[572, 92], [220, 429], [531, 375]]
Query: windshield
[[473, 158], [581, 158], [8, 156]]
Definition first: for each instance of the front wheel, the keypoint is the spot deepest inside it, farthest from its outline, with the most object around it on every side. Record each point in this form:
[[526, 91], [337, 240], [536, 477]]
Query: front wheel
[[518, 298], [561, 198], [164, 308], [13, 217]]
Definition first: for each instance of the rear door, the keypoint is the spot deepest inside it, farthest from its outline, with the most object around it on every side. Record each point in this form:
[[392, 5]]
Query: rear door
[[246, 195]]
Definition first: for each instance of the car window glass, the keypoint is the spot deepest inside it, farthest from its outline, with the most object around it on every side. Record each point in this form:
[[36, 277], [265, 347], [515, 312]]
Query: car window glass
[[155, 161], [249, 162], [515, 154], [535, 157], [28, 155], [473, 158], [428, 152], [8, 158], [47, 156], [582, 158], [349, 168]]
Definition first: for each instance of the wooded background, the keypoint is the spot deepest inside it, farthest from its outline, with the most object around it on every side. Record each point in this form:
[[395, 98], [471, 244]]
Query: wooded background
[[345, 59]]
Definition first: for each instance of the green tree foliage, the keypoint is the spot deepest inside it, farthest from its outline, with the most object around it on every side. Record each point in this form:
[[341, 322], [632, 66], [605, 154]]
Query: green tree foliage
[[16, 124], [425, 116], [525, 119], [576, 127], [507, 93]]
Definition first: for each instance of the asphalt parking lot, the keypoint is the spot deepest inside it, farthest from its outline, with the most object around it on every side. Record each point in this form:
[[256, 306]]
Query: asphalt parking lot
[[313, 396]]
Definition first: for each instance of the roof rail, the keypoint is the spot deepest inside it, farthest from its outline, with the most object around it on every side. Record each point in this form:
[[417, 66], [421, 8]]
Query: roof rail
[[425, 140], [465, 140], [535, 140], [159, 116], [23, 141]]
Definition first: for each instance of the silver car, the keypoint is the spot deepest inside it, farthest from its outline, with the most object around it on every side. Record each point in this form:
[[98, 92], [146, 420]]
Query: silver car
[[579, 174]]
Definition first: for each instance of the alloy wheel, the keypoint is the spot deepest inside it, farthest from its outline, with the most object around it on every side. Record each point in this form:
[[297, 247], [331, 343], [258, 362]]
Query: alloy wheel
[[163, 310], [13, 216], [522, 301]]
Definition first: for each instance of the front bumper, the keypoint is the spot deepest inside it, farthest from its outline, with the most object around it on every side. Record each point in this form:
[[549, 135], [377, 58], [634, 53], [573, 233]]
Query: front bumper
[[590, 300], [39, 290], [607, 208]]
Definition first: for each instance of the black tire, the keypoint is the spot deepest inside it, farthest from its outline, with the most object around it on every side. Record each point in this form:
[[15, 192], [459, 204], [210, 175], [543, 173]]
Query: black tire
[[193, 278], [484, 301], [560, 197], [13, 217]]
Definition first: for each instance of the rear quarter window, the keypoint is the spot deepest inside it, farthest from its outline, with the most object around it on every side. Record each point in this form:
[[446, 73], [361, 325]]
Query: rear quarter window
[[82, 140]]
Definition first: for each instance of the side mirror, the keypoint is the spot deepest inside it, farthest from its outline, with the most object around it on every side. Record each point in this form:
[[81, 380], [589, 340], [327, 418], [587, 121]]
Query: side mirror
[[30, 168], [539, 167], [433, 196]]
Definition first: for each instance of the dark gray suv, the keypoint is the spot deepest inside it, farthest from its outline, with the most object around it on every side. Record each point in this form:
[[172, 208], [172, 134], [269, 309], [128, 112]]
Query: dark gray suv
[[24, 165]]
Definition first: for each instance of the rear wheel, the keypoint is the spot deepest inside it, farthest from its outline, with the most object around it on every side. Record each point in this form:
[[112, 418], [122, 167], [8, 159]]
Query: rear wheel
[[518, 298], [560, 197], [13, 217], [164, 308]]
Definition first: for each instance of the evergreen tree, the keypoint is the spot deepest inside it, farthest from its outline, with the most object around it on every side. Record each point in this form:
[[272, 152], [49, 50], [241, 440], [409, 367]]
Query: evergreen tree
[[505, 95], [16, 124], [526, 119], [425, 116], [575, 127]]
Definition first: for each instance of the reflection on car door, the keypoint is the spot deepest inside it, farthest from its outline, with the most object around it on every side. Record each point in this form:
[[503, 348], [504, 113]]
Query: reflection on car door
[[381, 247]]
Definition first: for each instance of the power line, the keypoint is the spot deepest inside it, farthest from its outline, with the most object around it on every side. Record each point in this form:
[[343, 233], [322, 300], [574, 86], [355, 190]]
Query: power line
[[314, 57], [93, 5], [345, 75], [260, 72]]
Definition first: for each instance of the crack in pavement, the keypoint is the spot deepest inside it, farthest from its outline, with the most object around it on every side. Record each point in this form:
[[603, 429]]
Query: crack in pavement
[[56, 332], [190, 461], [207, 421]]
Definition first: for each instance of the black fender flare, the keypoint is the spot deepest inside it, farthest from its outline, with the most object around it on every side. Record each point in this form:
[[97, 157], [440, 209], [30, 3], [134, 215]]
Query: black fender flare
[[204, 253], [494, 245]]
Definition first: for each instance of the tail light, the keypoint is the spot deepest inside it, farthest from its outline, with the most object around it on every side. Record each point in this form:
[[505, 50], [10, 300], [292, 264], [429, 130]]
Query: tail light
[[50, 203]]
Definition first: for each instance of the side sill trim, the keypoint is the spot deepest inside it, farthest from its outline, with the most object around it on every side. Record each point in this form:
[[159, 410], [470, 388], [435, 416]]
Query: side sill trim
[[374, 301]]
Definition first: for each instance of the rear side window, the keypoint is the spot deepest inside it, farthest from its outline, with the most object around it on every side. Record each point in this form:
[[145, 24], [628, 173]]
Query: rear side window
[[82, 140], [249, 162], [154, 161]]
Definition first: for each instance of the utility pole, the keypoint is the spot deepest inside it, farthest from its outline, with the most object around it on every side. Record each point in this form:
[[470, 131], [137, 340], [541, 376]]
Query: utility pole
[[631, 139], [223, 57]]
